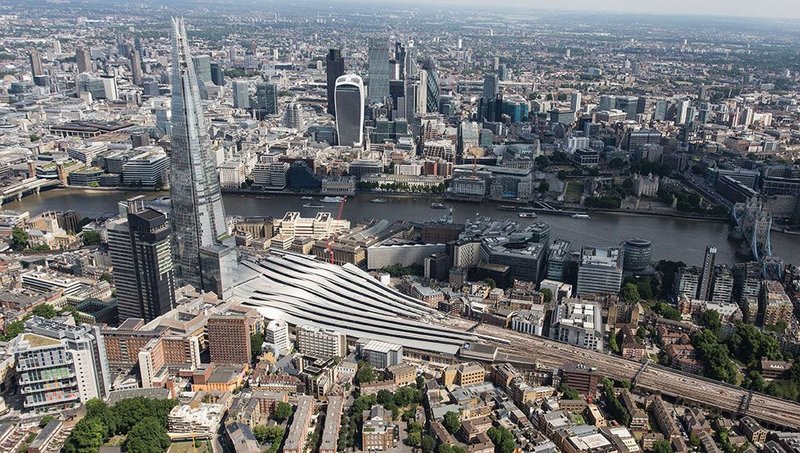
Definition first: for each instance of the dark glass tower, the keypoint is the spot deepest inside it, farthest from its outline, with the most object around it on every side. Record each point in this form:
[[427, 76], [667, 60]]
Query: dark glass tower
[[334, 69], [217, 74], [198, 217], [140, 252], [267, 97], [136, 68]]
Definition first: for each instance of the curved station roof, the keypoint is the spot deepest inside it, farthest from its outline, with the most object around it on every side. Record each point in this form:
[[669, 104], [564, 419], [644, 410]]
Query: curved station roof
[[304, 291]]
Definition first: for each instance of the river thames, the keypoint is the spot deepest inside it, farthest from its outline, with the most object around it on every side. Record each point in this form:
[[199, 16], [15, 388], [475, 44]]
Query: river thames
[[673, 238]]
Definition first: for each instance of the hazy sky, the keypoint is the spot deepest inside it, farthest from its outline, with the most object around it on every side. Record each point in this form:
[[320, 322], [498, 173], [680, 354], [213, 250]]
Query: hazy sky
[[755, 8]]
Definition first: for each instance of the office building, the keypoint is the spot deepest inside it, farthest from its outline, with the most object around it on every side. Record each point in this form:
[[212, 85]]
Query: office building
[[60, 366], [577, 323], [276, 336], [202, 67], [136, 68], [267, 97], [349, 99], [45, 282], [600, 270], [293, 116], [638, 253], [581, 378], [379, 70], [139, 247], [198, 217], [468, 137], [575, 101], [321, 343], [83, 58], [241, 94], [432, 86], [558, 255], [229, 338], [463, 374], [148, 168], [491, 86], [217, 74], [381, 355], [660, 113], [37, 69], [706, 274], [334, 68]]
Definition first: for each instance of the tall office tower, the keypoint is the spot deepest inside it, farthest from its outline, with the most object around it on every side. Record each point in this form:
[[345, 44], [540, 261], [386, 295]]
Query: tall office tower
[[468, 136], [293, 117], [600, 270], [60, 366], [110, 91], [217, 74], [432, 86], [575, 102], [202, 67], [136, 68], [228, 338], [683, 111], [349, 98], [267, 97], [400, 58], [502, 72], [660, 113], [490, 87], [139, 246], [334, 69], [410, 98], [198, 217], [704, 288], [84, 59], [421, 94], [410, 69], [56, 46], [36, 63], [241, 94], [277, 337], [379, 70], [321, 343]]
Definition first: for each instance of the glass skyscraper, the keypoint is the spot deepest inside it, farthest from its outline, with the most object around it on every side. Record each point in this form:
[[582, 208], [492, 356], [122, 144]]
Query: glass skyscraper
[[139, 247], [379, 70], [433, 95], [267, 97], [334, 69], [198, 217], [350, 110]]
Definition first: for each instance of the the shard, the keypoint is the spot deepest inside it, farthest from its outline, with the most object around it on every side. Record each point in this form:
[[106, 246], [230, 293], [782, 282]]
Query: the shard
[[198, 217]]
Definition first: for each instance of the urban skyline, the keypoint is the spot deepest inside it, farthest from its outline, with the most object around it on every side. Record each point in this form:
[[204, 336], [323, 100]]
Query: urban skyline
[[419, 226]]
